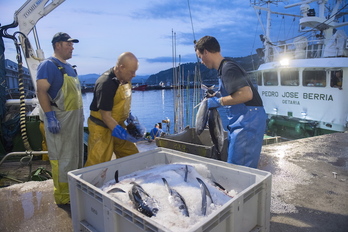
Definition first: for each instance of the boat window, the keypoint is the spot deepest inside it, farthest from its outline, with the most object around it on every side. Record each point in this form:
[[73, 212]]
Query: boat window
[[270, 78], [314, 78], [259, 78], [255, 77], [336, 78], [289, 77]]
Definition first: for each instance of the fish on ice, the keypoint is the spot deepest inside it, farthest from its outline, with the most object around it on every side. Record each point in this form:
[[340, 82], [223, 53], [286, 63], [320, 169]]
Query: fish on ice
[[156, 203], [115, 189], [142, 201], [205, 192], [176, 199]]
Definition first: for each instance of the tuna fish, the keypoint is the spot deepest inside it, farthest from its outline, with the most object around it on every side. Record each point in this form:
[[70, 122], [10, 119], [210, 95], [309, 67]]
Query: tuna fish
[[202, 117], [186, 173], [219, 186], [176, 199], [134, 128], [116, 189], [216, 131], [212, 117], [205, 192], [142, 201]]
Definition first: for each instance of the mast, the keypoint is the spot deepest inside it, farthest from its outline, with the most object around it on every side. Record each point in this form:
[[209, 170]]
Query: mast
[[267, 42], [266, 38]]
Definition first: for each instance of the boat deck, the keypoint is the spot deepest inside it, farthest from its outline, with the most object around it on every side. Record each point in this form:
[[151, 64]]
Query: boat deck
[[309, 189]]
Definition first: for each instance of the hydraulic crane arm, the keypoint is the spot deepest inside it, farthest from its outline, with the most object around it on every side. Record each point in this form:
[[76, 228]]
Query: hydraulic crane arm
[[26, 18], [32, 11]]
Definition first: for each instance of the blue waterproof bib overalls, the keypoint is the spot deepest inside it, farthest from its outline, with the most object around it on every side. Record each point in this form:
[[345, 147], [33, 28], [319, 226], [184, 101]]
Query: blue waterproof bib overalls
[[246, 127], [65, 149]]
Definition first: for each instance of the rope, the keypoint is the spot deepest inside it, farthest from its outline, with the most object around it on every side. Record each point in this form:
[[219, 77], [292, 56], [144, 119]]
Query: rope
[[193, 31], [197, 77], [293, 28], [281, 26], [318, 26], [22, 112], [253, 47]]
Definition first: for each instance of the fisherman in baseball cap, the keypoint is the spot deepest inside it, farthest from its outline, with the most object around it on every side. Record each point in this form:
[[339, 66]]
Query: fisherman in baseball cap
[[61, 36]]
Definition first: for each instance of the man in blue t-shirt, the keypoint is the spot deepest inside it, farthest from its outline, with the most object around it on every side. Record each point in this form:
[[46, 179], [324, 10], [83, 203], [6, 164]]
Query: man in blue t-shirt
[[156, 131], [59, 94], [240, 99]]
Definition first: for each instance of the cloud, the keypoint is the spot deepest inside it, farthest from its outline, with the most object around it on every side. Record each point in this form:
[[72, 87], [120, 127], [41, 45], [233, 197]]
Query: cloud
[[106, 28]]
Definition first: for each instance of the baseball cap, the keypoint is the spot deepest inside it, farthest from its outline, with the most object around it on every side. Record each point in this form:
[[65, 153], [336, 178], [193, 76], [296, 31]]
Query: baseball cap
[[61, 36]]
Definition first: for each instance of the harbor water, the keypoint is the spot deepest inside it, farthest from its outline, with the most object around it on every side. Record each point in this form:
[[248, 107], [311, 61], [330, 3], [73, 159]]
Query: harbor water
[[154, 106]]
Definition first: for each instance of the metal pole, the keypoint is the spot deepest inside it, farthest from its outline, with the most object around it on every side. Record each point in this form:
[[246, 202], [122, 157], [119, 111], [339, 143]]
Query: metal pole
[[22, 153]]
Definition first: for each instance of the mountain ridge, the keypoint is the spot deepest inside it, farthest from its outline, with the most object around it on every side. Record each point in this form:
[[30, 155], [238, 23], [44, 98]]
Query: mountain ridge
[[249, 63]]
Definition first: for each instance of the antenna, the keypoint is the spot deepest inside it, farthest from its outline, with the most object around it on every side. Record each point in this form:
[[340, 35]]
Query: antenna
[[264, 2]]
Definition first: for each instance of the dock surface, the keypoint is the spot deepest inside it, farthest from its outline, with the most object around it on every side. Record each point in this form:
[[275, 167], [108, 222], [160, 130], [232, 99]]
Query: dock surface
[[309, 189]]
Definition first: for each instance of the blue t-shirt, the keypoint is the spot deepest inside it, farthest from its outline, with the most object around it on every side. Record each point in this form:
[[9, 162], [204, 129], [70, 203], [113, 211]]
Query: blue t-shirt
[[233, 77], [155, 132], [48, 70]]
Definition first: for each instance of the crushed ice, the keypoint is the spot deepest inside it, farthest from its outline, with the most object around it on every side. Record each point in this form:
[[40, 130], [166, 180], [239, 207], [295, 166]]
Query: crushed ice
[[168, 215]]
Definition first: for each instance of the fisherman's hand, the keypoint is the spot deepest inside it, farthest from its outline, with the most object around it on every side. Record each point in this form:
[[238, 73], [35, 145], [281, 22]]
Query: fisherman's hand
[[131, 119], [141, 130], [53, 124], [121, 133], [214, 102], [134, 127]]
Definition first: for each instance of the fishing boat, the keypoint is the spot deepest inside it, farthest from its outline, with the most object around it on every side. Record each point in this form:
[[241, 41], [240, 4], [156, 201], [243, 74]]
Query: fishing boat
[[87, 87], [300, 79], [139, 87]]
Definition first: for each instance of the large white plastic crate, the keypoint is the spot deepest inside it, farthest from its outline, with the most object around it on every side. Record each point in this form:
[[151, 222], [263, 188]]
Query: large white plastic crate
[[189, 141], [95, 210]]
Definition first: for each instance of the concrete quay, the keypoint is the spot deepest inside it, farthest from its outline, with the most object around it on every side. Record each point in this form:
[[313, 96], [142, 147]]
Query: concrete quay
[[309, 189]]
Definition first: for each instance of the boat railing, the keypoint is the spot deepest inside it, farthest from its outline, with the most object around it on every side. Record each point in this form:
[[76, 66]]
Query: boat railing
[[15, 93], [304, 50]]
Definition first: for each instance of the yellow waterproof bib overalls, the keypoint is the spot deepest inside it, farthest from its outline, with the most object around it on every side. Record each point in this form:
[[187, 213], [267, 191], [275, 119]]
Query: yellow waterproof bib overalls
[[101, 144], [65, 149]]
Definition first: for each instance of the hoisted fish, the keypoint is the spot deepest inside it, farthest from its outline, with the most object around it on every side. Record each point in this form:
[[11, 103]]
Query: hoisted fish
[[203, 111], [216, 131], [205, 193], [202, 116], [176, 199], [212, 117], [142, 201]]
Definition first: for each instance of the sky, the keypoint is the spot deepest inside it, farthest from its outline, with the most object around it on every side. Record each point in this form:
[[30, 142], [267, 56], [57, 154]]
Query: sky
[[107, 28]]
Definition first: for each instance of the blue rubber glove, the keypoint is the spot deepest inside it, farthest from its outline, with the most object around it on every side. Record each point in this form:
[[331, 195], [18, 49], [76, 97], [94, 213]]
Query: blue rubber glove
[[213, 103], [53, 123], [121, 133]]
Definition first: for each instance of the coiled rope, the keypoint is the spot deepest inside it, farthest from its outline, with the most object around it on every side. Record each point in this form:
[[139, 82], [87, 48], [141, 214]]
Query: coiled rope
[[22, 110]]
